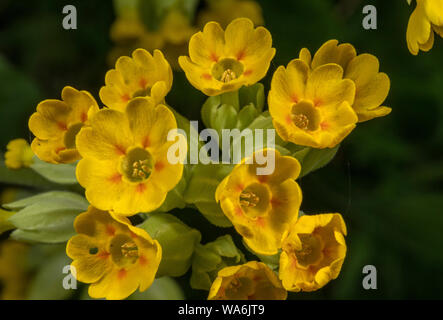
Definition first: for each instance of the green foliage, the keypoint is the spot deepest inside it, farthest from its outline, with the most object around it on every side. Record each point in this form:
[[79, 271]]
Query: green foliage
[[177, 241], [212, 257], [233, 109], [46, 217], [47, 283], [57, 173], [201, 191], [152, 12]]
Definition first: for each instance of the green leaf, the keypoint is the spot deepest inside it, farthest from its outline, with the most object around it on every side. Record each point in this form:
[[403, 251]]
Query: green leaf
[[177, 241], [58, 196], [204, 181], [211, 258], [312, 159], [25, 177], [57, 173], [47, 217], [214, 214]]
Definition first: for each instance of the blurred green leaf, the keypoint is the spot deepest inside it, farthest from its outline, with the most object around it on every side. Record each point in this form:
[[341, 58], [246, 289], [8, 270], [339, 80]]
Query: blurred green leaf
[[47, 284], [57, 173]]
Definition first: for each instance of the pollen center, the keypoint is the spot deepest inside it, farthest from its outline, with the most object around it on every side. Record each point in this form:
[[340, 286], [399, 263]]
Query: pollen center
[[305, 116], [124, 250], [227, 70], [228, 75], [311, 249], [300, 120], [255, 200], [248, 199], [137, 165]]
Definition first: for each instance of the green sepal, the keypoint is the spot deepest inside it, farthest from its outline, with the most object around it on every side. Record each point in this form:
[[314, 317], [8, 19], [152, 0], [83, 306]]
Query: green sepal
[[272, 261], [233, 110], [313, 159], [177, 241], [254, 94], [212, 257], [201, 191]]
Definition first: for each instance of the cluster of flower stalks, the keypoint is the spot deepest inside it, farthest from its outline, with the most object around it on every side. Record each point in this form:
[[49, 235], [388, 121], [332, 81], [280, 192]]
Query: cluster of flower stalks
[[121, 236]]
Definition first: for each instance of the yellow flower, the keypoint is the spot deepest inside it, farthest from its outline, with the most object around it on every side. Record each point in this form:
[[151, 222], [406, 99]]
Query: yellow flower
[[172, 36], [113, 256], [261, 207], [143, 75], [225, 11], [371, 86], [57, 122], [426, 19], [222, 61], [18, 154], [313, 252], [125, 166], [13, 273], [250, 281], [312, 108]]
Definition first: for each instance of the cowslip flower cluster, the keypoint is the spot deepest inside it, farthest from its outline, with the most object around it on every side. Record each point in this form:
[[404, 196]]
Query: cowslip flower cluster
[[317, 101], [261, 207], [426, 19], [222, 61], [171, 30], [56, 124], [121, 154], [313, 251]]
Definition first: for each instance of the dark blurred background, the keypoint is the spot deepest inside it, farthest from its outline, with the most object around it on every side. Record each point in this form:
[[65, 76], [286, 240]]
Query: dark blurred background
[[387, 178]]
